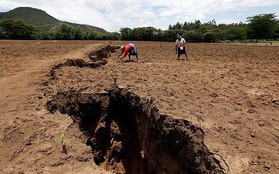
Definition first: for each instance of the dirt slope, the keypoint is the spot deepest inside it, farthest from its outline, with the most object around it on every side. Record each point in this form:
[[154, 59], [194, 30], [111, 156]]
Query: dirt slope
[[230, 91]]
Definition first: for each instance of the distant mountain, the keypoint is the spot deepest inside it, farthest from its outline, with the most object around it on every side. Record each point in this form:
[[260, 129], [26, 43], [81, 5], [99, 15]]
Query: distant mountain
[[43, 21]]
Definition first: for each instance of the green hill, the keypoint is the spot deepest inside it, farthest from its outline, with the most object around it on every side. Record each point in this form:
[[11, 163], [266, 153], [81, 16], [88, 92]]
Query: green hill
[[1, 14], [43, 21]]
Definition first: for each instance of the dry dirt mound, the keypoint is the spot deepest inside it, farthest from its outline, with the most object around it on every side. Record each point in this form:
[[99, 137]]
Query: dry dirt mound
[[104, 52]]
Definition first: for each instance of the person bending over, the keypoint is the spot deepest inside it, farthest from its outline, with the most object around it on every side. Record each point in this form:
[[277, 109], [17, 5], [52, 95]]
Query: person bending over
[[129, 49]]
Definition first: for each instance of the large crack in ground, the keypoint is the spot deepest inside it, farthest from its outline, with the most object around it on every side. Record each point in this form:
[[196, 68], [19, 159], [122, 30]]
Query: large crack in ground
[[128, 134], [97, 59]]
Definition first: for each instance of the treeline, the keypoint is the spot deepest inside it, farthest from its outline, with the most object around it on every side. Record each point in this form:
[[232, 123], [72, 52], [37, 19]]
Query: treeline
[[14, 29], [264, 26]]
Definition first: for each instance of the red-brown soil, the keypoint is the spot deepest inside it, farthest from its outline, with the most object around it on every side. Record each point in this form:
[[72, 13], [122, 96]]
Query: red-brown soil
[[230, 91]]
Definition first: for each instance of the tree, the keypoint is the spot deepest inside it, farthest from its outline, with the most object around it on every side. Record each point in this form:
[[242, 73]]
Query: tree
[[171, 35], [212, 35], [235, 33], [77, 33], [13, 29], [170, 27], [177, 26], [193, 36], [276, 31], [125, 33], [197, 24], [115, 36], [65, 32], [262, 26], [3, 34], [43, 35]]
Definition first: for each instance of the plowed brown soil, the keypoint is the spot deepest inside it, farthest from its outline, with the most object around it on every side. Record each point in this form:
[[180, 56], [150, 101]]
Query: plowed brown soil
[[230, 91]]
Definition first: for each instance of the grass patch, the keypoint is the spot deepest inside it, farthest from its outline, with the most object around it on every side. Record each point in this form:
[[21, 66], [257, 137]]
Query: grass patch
[[270, 41]]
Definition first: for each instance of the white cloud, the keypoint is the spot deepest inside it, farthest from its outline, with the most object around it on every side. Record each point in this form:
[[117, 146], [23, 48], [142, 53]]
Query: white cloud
[[228, 21], [113, 15], [277, 14]]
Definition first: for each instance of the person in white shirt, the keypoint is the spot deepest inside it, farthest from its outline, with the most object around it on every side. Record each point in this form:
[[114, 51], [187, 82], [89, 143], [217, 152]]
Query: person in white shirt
[[180, 47]]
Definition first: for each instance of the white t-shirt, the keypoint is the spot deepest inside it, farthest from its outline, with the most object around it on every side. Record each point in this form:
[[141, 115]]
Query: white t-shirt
[[180, 43]]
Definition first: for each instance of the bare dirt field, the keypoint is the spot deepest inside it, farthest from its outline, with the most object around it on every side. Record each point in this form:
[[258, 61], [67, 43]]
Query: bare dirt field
[[219, 110]]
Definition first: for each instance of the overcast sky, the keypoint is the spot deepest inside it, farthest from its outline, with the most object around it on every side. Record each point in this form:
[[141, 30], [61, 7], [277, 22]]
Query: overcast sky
[[112, 15]]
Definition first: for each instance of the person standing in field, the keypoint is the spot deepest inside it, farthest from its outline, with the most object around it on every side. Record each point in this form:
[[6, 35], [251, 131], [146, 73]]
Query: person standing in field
[[180, 47], [129, 49]]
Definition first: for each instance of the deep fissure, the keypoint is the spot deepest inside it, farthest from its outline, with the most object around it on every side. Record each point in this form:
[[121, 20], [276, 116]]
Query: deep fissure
[[128, 134], [97, 59]]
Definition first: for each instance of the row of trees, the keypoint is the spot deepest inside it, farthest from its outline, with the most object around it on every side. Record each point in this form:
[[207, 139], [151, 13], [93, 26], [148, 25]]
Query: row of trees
[[66, 32], [13, 29], [10, 29], [264, 26]]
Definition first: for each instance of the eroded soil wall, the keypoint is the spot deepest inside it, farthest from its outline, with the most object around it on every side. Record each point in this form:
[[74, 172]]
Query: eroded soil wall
[[129, 135]]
